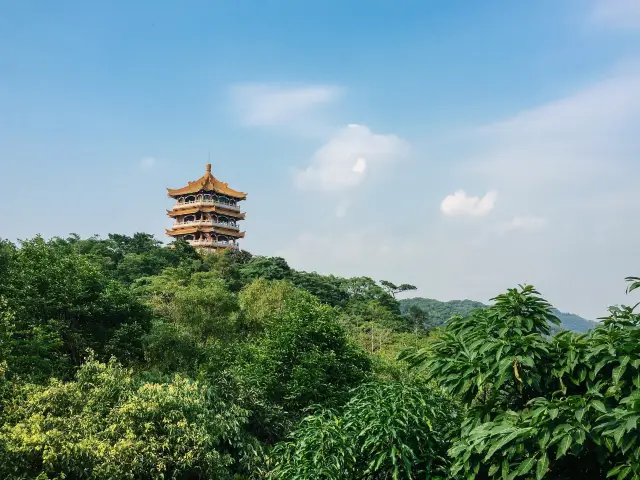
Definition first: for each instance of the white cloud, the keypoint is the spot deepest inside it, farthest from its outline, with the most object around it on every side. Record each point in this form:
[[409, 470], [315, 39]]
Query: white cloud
[[462, 204], [348, 157], [148, 162], [621, 14], [525, 224], [273, 105], [360, 165]]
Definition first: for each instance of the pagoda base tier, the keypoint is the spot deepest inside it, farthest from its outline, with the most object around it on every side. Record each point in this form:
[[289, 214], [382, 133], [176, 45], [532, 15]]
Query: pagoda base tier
[[174, 232]]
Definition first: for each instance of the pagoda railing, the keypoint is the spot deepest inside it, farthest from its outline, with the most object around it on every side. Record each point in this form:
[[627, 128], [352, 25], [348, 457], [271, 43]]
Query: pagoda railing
[[193, 203], [212, 243], [208, 223]]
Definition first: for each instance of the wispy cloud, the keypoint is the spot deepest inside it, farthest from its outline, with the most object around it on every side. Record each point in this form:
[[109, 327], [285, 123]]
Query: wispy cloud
[[620, 14], [459, 203], [348, 157], [276, 105], [588, 137]]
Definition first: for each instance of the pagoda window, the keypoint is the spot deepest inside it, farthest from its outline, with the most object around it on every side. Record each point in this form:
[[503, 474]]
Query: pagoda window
[[189, 237], [190, 199], [207, 197], [189, 218]]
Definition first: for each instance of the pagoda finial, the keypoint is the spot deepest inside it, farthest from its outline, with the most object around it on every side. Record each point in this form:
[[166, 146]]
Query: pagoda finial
[[208, 168]]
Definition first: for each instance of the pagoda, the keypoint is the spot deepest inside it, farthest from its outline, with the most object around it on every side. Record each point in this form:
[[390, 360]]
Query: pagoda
[[206, 213]]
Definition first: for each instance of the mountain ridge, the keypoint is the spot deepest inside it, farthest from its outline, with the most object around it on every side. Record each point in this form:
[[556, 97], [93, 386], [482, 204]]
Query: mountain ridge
[[439, 312]]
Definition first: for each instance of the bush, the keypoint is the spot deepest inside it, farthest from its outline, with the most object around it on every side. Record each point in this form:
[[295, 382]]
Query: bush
[[104, 424]]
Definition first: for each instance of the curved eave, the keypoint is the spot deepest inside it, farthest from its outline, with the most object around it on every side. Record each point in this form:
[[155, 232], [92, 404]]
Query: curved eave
[[207, 183], [188, 190], [204, 229]]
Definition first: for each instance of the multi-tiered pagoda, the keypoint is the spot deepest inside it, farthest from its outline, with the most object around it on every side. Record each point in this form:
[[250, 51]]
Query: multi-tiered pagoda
[[207, 213]]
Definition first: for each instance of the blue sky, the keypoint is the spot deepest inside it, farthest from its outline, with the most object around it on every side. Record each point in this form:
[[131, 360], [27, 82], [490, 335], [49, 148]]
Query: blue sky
[[462, 146]]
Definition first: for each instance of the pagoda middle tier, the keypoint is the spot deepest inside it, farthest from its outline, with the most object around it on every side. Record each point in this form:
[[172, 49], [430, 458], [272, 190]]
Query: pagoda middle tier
[[206, 213]]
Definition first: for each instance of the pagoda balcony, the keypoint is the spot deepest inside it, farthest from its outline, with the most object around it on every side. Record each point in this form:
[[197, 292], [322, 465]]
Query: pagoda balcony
[[213, 243], [195, 203], [208, 223]]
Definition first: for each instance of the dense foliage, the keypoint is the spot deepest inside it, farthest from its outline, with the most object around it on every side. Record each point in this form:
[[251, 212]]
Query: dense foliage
[[121, 358], [565, 406]]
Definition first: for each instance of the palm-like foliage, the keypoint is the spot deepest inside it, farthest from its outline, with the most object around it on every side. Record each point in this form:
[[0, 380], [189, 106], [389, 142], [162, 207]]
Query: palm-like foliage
[[388, 430], [565, 406]]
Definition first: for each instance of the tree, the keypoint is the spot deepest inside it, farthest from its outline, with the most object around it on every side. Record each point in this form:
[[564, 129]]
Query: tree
[[63, 303], [205, 307], [302, 358], [328, 289], [364, 290], [418, 319], [269, 268], [263, 303], [395, 289]]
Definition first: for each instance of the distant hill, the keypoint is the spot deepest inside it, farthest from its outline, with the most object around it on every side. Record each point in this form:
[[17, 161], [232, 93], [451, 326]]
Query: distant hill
[[571, 321], [439, 312]]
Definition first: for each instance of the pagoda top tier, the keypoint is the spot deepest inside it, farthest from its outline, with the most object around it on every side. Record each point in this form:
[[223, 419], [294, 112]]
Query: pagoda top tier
[[207, 183]]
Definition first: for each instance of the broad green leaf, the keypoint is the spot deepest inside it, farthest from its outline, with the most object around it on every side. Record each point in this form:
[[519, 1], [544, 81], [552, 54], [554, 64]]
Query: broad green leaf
[[526, 466], [598, 405], [563, 446], [624, 472], [498, 445], [617, 373], [632, 423], [541, 466]]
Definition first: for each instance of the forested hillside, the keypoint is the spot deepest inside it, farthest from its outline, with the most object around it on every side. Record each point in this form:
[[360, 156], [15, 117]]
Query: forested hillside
[[123, 359], [437, 312]]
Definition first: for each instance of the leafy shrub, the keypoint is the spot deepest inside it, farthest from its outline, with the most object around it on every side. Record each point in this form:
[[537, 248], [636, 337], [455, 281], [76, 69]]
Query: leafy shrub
[[105, 424], [387, 430], [555, 407]]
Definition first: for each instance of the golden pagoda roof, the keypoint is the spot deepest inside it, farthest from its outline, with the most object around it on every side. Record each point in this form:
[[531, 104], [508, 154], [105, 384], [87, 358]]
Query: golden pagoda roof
[[204, 228], [207, 183], [205, 208]]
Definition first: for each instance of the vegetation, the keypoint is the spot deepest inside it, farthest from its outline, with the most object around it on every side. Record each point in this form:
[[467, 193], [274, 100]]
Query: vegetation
[[121, 359]]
